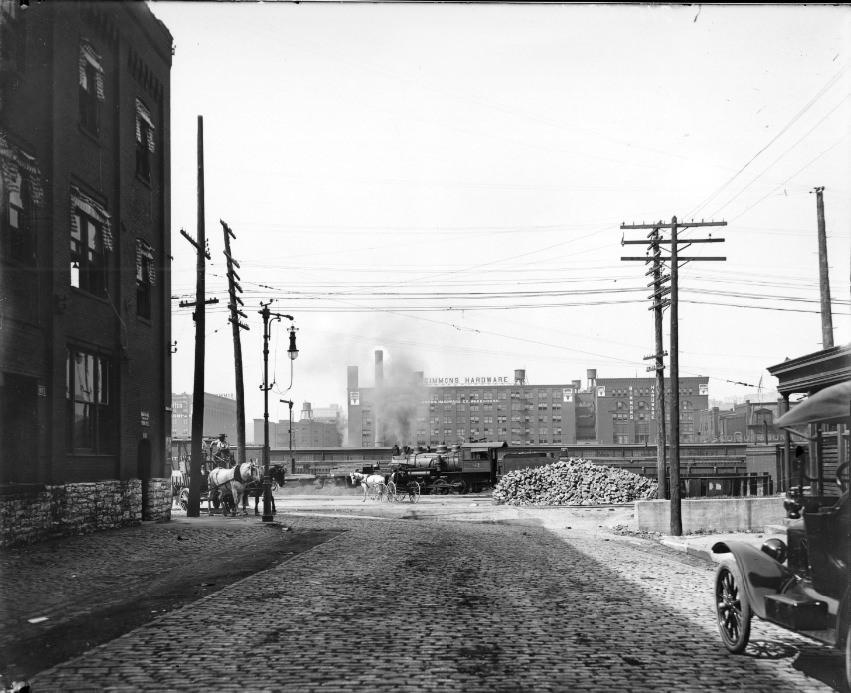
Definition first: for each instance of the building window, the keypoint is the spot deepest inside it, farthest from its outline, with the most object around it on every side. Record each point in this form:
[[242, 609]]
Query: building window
[[91, 87], [19, 238], [145, 278], [21, 192], [91, 238], [90, 425], [144, 141]]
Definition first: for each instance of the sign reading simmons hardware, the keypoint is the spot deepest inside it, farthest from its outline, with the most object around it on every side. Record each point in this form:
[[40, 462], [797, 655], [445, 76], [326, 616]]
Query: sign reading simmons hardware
[[485, 380]]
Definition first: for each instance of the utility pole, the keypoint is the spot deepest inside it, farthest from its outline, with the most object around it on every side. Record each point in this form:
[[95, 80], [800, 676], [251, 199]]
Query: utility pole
[[824, 278], [659, 304], [193, 508], [235, 313], [674, 259]]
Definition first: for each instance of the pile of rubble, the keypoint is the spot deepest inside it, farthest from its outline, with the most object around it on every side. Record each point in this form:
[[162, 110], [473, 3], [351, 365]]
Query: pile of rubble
[[572, 482]]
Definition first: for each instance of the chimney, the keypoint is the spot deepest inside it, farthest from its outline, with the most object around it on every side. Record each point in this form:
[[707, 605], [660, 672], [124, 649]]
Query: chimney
[[379, 383], [379, 368]]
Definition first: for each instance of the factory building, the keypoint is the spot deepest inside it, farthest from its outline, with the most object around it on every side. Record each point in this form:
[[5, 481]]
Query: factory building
[[420, 410]]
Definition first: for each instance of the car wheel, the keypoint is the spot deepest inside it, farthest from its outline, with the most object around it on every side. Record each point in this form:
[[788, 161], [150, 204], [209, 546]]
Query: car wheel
[[733, 609]]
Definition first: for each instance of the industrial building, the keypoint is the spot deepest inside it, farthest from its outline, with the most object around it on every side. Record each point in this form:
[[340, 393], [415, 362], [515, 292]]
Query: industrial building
[[309, 431], [85, 379], [420, 410], [219, 416]]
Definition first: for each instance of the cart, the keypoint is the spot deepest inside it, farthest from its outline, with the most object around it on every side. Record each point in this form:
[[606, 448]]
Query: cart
[[401, 485]]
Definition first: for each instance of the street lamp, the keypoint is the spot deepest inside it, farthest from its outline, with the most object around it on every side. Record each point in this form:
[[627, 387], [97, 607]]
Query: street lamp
[[268, 317], [292, 461]]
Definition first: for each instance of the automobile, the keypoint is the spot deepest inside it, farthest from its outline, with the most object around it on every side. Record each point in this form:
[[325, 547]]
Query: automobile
[[801, 584]]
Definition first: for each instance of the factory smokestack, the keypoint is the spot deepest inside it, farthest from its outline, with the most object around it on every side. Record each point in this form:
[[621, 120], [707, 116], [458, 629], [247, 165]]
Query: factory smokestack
[[379, 368], [379, 383]]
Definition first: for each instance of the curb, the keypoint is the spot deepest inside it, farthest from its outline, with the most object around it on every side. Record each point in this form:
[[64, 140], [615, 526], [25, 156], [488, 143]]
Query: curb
[[705, 554]]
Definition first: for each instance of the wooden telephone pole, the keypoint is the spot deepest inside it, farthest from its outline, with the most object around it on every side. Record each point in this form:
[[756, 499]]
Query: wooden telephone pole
[[674, 259], [824, 279], [235, 313], [193, 508]]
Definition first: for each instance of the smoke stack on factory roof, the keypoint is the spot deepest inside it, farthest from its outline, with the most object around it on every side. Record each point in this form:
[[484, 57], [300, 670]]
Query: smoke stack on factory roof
[[379, 368]]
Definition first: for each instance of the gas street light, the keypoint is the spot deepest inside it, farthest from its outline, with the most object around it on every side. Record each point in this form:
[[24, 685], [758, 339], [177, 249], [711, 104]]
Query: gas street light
[[293, 353], [292, 461]]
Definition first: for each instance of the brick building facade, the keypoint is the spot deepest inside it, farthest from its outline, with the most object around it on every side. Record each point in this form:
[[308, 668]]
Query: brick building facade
[[430, 411], [85, 374]]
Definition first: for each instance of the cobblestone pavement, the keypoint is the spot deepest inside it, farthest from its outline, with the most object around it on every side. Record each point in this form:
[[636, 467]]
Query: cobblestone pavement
[[441, 605]]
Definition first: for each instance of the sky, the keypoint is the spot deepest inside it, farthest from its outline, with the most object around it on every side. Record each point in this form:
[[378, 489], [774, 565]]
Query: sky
[[447, 183]]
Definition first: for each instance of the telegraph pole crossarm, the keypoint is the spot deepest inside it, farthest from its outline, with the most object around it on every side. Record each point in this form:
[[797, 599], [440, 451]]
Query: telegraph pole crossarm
[[659, 303]]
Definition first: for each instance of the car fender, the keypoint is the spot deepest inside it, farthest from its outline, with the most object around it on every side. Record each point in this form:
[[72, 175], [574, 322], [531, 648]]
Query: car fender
[[760, 574]]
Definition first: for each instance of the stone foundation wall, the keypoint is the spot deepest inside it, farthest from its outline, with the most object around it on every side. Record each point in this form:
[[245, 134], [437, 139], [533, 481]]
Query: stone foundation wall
[[158, 505], [59, 511]]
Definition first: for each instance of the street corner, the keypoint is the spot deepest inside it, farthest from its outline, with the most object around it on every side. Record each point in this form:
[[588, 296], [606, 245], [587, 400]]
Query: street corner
[[700, 545]]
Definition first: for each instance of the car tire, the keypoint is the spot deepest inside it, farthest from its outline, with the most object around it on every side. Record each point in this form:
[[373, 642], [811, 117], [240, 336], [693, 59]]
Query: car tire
[[732, 608]]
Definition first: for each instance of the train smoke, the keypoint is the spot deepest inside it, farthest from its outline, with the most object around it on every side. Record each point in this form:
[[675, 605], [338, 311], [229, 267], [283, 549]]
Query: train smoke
[[397, 402]]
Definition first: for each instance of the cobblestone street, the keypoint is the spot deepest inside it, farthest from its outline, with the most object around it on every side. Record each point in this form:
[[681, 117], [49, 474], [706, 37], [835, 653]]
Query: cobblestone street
[[434, 603]]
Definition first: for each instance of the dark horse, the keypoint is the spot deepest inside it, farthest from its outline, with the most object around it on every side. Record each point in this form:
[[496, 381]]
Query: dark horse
[[277, 474]]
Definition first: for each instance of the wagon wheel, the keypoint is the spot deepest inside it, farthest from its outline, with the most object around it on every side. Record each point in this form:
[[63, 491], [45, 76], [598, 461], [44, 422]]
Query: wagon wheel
[[413, 491], [183, 498], [390, 492], [377, 491], [440, 486], [732, 608]]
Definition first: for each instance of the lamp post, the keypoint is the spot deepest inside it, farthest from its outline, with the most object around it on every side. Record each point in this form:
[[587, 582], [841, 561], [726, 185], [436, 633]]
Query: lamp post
[[292, 461], [292, 352]]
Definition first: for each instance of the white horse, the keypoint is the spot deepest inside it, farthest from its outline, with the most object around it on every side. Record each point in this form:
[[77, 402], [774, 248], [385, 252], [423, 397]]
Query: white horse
[[369, 482], [236, 478]]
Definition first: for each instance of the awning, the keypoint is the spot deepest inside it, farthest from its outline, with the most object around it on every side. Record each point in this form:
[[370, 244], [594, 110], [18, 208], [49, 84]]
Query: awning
[[830, 406]]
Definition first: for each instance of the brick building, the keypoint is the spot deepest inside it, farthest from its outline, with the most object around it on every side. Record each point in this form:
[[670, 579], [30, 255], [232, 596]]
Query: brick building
[[307, 432], [85, 375], [416, 410], [219, 416], [746, 422]]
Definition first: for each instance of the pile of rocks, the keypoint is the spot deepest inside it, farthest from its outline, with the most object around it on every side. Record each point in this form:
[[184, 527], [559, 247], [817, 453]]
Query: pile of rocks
[[572, 482]]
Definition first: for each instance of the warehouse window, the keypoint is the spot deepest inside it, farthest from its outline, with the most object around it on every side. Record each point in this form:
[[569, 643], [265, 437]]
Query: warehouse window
[[91, 238], [144, 141], [19, 240], [21, 192], [91, 87], [90, 412], [145, 278]]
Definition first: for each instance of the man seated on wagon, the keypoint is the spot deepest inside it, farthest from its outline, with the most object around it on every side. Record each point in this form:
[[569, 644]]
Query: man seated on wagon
[[219, 451]]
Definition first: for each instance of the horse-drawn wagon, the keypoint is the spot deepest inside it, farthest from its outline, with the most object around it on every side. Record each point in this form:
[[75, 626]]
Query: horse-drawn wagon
[[218, 472]]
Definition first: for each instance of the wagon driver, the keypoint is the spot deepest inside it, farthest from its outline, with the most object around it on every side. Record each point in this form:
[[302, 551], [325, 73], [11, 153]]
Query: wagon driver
[[218, 450]]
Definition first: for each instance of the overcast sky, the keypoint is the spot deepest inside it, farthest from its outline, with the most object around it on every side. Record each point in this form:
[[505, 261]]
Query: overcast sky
[[447, 182]]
